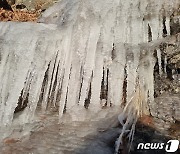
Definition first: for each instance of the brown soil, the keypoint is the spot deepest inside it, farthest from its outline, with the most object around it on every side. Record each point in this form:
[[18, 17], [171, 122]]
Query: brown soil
[[22, 15]]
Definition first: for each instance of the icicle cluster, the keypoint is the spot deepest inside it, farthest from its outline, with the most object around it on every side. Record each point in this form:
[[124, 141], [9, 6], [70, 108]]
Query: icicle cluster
[[83, 59]]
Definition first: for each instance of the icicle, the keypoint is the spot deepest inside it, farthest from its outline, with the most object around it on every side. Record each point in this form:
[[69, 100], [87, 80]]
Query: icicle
[[132, 66], [67, 69], [89, 62], [146, 69], [165, 64], [48, 86], [159, 61], [97, 79], [80, 40], [116, 76], [168, 25]]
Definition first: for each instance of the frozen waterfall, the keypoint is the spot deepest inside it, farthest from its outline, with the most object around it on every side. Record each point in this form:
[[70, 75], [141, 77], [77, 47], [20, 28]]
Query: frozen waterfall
[[81, 55]]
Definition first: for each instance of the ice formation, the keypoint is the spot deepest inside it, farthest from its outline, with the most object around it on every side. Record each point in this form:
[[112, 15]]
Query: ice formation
[[80, 56]]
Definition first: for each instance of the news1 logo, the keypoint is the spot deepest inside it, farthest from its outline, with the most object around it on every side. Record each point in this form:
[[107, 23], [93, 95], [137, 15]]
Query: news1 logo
[[170, 146]]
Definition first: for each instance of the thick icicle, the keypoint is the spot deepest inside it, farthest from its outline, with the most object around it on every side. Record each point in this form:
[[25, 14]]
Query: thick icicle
[[159, 61], [165, 64]]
